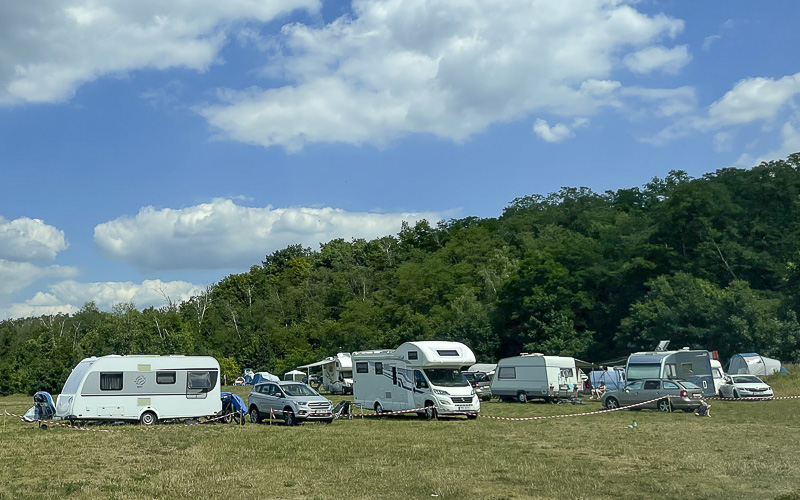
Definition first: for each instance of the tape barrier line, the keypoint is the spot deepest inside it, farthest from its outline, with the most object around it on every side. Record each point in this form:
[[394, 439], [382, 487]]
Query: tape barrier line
[[80, 428], [397, 412]]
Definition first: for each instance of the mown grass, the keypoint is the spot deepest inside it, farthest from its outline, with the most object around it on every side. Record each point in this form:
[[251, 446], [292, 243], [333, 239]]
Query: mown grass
[[746, 450]]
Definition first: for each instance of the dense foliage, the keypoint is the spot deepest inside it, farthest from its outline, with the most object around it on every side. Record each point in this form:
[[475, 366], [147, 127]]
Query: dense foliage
[[712, 263]]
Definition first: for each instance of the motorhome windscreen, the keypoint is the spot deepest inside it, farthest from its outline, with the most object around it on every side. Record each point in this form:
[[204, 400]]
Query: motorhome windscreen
[[298, 390], [75, 378], [643, 370], [347, 373], [446, 377]]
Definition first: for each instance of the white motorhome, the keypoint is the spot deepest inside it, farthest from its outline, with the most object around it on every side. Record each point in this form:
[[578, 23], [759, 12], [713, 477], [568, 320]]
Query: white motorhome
[[532, 376], [144, 388], [424, 374], [337, 373]]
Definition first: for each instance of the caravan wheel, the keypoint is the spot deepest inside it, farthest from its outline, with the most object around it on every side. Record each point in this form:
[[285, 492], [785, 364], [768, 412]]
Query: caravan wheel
[[148, 418], [522, 397]]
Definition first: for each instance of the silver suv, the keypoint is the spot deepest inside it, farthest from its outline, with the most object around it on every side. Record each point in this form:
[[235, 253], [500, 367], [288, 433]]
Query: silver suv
[[294, 402], [481, 383]]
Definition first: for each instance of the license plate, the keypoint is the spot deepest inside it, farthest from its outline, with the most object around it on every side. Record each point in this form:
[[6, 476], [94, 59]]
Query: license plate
[[696, 395]]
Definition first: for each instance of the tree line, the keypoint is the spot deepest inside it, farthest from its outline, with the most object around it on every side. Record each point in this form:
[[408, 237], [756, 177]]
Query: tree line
[[710, 262]]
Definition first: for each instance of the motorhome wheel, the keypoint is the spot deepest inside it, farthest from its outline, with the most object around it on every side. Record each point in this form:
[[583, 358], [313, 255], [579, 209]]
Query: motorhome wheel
[[148, 418], [288, 417], [522, 397], [378, 408], [664, 405], [430, 410], [255, 416]]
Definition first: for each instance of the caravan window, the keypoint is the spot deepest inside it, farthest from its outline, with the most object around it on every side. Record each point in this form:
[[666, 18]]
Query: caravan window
[[413, 355], [111, 381], [687, 369], [203, 381], [643, 370], [507, 372], [378, 368], [566, 373], [362, 367], [165, 377], [447, 352]]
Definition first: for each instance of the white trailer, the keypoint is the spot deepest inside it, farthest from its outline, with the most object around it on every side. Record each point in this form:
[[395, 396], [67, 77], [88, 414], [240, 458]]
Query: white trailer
[[144, 388], [532, 376], [423, 374], [337, 373]]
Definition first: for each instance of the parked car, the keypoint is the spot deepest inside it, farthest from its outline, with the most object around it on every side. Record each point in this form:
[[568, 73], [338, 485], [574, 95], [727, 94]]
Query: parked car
[[744, 386], [294, 402], [685, 395], [481, 383]]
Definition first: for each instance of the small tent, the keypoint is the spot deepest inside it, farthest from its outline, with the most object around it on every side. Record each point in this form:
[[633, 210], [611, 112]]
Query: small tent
[[264, 377], [614, 378], [294, 376], [754, 364]]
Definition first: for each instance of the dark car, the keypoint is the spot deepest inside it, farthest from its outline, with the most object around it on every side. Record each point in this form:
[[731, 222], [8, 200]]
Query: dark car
[[481, 383], [294, 402], [664, 395]]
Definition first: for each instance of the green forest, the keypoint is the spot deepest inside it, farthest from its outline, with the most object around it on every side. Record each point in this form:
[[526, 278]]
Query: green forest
[[710, 262]]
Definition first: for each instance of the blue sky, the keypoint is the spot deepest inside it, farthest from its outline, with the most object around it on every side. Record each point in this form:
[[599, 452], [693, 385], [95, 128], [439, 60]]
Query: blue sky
[[151, 148]]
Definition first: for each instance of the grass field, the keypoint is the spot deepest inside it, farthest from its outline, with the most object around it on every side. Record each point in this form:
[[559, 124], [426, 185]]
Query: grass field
[[746, 450]]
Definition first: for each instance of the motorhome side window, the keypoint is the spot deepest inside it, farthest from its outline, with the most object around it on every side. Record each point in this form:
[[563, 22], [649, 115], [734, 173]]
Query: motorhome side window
[[362, 367], [203, 381], [111, 381], [378, 368], [447, 352], [413, 355], [507, 372], [165, 377]]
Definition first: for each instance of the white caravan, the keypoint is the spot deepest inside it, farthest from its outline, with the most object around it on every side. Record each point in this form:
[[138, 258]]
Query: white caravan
[[144, 388], [685, 364], [337, 373], [532, 376], [423, 374]]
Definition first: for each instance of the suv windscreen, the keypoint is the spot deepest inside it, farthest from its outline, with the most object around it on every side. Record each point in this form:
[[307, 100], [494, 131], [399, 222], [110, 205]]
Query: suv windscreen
[[446, 377], [299, 390]]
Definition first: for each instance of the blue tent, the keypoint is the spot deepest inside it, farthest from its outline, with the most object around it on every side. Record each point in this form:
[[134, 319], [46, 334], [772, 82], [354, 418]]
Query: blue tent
[[614, 379]]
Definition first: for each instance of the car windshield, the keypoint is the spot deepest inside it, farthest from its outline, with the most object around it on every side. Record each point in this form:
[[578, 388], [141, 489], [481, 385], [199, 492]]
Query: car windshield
[[747, 379], [299, 390], [689, 385], [446, 377], [643, 370]]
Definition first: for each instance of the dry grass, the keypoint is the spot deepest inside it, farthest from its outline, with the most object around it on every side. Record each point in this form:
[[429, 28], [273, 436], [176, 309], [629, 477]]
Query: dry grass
[[745, 450]]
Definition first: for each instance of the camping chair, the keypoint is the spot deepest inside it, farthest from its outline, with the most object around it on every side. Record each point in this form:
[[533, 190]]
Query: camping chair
[[343, 409]]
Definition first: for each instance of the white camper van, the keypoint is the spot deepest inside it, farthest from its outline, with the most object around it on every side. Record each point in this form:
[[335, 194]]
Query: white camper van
[[416, 375], [337, 373], [143, 388], [535, 376]]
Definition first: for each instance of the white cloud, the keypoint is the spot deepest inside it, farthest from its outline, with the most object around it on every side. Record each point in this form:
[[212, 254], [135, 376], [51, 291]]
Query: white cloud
[[16, 276], [69, 296], [26, 239], [658, 58], [664, 102], [789, 143], [753, 99], [559, 131], [449, 68], [224, 235], [49, 48]]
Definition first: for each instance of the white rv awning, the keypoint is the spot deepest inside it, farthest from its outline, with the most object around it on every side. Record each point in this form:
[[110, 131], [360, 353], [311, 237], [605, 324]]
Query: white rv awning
[[318, 363]]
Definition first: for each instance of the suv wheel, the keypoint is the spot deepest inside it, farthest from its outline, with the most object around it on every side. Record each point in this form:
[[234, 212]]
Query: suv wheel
[[255, 416], [288, 417]]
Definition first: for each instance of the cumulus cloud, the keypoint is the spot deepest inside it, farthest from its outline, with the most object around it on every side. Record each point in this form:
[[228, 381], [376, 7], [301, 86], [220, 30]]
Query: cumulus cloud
[[16, 276], [658, 58], [26, 239], [223, 235], [49, 48], [663, 102], [449, 68], [69, 296], [559, 131]]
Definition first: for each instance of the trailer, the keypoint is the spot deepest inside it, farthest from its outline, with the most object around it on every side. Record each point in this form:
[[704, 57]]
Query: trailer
[[686, 364], [532, 376], [416, 375], [337, 373], [141, 387]]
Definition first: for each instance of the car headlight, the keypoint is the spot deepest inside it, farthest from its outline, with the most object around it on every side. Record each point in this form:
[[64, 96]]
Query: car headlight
[[441, 392], [302, 403]]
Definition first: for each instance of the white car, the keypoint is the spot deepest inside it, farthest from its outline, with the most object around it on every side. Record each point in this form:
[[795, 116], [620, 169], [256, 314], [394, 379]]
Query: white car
[[744, 386]]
